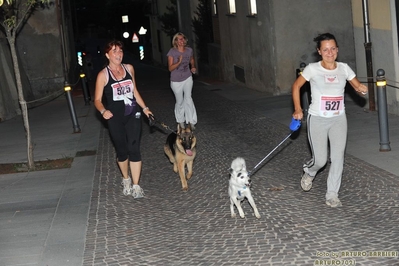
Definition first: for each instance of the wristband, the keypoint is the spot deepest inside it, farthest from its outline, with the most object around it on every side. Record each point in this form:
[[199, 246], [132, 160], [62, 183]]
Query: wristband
[[103, 111], [145, 108]]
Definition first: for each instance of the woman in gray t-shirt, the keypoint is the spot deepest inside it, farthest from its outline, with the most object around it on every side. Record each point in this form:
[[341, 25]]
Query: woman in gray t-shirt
[[181, 65]]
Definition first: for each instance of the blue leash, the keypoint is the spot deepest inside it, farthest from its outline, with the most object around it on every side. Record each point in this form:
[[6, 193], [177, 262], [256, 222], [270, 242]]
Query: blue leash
[[294, 126]]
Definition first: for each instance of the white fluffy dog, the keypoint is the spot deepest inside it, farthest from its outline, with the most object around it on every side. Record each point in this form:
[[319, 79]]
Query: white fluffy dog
[[239, 187]]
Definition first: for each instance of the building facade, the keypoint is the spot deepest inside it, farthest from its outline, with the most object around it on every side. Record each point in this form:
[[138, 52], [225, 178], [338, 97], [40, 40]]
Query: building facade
[[161, 42], [45, 47], [262, 43]]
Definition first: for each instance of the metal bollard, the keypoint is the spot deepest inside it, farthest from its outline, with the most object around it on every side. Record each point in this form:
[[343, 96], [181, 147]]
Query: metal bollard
[[86, 93], [67, 89], [382, 110]]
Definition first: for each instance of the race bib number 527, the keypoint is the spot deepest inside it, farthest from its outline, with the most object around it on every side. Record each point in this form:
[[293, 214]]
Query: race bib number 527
[[331, 105]]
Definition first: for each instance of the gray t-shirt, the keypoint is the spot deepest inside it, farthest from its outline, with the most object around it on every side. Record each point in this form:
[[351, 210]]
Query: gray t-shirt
[[182, 72]]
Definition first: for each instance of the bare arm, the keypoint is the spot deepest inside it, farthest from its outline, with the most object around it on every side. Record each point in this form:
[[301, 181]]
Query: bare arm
[[296, 88], [192, 64], [98, 95], [359, 87], [172, 66]]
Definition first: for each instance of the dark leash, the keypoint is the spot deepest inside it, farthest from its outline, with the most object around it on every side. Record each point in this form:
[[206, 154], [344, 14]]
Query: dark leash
[[153, 121], [294, 126]]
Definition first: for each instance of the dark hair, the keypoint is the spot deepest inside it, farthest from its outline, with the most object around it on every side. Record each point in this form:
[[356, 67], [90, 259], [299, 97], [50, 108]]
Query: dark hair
[[109, 45], [324, 37]]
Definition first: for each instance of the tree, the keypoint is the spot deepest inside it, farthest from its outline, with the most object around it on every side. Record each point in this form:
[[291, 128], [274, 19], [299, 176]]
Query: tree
[[169, 20], [13, 16], [202, 25]]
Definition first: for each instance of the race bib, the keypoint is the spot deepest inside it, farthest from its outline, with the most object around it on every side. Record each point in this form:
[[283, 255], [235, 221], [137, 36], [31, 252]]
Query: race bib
[[122, 89], [331, 105]]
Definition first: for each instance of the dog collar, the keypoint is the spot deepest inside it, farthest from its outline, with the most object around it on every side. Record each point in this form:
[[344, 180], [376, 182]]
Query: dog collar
[[239, 191]]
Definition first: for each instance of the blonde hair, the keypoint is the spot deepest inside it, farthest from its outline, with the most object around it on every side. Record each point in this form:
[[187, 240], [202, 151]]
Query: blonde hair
[[174, 39]]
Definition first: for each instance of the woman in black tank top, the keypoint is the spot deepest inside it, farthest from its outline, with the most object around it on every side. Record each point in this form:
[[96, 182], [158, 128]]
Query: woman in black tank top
[[122, 112]]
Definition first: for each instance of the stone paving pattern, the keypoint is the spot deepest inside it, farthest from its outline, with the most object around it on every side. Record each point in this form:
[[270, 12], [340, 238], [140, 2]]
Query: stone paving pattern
[[170, 227]]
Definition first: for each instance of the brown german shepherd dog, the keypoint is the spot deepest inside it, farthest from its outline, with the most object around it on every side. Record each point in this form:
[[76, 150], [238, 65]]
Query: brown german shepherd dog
[[180, 148]]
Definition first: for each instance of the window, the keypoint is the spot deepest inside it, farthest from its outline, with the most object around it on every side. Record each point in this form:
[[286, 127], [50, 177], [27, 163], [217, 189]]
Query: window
[[252, 7], [232, 6], [214, 8]]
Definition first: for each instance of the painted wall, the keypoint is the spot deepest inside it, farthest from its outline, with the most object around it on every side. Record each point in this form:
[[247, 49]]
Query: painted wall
[[247, 43], [158, 37], [271, 46], [41, 59], [297, 23], [384, 39], [39, 46]]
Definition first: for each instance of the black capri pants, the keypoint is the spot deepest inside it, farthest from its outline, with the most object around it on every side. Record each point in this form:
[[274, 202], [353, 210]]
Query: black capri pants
[[125, 133]]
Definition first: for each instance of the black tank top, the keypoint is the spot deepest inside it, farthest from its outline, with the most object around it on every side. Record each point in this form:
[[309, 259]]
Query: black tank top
[[114, 91]]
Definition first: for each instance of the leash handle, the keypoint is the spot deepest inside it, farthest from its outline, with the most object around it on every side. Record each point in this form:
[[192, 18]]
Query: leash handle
[[151, 120], [295, 124]]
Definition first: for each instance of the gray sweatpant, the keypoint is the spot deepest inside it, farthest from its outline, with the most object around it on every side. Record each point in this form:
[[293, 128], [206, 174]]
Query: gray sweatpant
[[184, 108], [322, 130]]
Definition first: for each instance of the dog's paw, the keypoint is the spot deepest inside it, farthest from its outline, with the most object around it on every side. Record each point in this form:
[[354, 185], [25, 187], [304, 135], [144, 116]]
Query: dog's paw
[[185, 189], [233, 215], [257, 215], [242, 216]]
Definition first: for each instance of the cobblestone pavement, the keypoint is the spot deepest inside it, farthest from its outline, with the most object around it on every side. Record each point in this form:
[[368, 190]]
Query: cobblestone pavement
[[170, 227]]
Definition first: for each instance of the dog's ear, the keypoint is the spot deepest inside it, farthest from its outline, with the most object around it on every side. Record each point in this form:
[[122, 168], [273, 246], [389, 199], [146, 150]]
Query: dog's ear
[[179, 129], [193, 141], [231, 171]]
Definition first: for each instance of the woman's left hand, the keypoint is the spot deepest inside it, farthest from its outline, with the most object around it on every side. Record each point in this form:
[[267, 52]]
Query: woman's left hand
[[147, 112], [362, 89], [193, 70]]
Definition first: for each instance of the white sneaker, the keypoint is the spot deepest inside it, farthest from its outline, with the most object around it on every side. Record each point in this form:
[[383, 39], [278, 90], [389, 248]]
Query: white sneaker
[[127, 186], [137, 192], [306, 181], [334, 202]]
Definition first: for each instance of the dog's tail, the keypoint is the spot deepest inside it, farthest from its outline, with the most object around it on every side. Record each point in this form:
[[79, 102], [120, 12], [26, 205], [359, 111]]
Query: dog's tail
[[238, 164]]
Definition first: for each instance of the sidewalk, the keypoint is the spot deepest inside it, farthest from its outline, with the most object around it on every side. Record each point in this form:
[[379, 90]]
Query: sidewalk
[[43, 214], [78, 216]]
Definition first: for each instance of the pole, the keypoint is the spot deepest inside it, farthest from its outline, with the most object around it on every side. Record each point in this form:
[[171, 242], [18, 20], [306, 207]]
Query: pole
[[86, 92], [179, 19], [382, 110], [369, 61], [75, 123]]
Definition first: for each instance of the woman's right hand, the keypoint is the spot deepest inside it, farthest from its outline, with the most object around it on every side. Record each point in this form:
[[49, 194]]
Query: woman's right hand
[[298, 115], [107, 114]]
